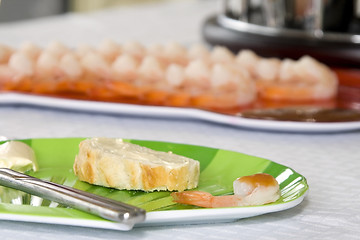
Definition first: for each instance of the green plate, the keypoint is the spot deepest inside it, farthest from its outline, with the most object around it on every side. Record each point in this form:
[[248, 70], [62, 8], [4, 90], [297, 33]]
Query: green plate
[[219, 168]]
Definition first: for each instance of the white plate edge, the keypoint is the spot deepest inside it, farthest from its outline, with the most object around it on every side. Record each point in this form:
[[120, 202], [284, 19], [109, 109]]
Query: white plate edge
[[162, 218], [174, 112]]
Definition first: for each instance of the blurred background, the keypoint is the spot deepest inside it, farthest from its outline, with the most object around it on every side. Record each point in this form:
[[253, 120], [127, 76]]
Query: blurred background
[[325, 29], [15, 10]]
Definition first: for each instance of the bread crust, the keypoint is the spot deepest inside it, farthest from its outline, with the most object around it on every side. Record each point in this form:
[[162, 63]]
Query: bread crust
[[114, 163]]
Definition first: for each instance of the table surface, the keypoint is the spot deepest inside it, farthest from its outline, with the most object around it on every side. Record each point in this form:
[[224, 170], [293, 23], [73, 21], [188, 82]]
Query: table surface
[[329, 161]]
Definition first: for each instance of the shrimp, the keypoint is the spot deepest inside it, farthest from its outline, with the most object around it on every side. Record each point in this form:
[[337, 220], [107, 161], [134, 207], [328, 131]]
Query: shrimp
[[223, 77], [47, 65], [248, 60], [125, 72], [229, 79], [21, 64], [152, 81], [22, 69], [5, 53], [151, 71], [57, 49], [198, 51], [30, 49], [229, 87], [322, 80], [6, 78], [302, 80], [222, 55], [97, 71], [257, 189], [267, 69], [95, 63], [70, 66], [174, 76], [175, 53], [84, 49], [135, 49], [125, 68], [109, 50], [312, 71], [155, 50], [47, 73], [287, 71], [197, 76]]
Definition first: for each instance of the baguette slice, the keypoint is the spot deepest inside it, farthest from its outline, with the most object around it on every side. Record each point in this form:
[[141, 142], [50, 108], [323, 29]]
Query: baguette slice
[[111, 162]]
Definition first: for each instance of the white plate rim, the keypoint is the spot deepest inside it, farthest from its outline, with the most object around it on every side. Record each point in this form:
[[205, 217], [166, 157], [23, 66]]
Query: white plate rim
[[163, 218], [175, 112]]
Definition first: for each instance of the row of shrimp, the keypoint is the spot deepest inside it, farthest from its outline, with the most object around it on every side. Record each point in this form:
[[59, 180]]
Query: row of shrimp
[[168, 74], [251, 190]]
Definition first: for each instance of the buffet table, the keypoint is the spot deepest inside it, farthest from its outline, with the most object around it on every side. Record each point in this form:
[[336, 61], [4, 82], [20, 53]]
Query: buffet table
[[329, 161]]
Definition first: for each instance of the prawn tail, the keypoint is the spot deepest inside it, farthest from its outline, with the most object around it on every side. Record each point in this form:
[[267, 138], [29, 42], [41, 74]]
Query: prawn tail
[[204, 199], [197, 198]]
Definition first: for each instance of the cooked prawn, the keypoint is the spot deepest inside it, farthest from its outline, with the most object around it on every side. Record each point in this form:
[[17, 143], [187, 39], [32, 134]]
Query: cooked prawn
[[305, 79], [125, 68], [21, 64], [125, 71], [175, 53], [30, 49], [198, 51], [151, 71], [169, 74], [95, 63], [156, 50], [257, 189], [47, 65], [267, 69], [83, 49], [221, 55], [229, 87], [197, 76], [70, 66], [6, 78], [174, 76], [22, 70], [109, 49], [151, 80], [247, 60], [135, 49], [57, 49], [5, 53]]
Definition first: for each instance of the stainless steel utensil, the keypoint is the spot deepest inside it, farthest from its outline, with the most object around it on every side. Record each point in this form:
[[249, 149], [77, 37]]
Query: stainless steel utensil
[[306, 15], [81, 200]]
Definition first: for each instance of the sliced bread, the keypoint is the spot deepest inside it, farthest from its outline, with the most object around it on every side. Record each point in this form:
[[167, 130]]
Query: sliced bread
[[112, 162]]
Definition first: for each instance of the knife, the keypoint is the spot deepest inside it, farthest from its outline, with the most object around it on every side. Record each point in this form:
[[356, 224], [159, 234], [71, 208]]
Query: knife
[[104, 207]]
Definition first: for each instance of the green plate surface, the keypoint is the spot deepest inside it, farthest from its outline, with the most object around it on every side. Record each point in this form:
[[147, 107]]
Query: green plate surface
[[219, 168]]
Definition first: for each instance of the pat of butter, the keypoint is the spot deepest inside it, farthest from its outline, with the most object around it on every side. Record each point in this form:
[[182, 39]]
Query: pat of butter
[[17, 156]]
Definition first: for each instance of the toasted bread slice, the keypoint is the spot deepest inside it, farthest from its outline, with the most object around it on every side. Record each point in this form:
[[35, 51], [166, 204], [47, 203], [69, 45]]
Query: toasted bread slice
[[112, 162]]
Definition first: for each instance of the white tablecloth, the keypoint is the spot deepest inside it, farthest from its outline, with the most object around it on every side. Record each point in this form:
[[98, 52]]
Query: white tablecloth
[[330, 162]]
